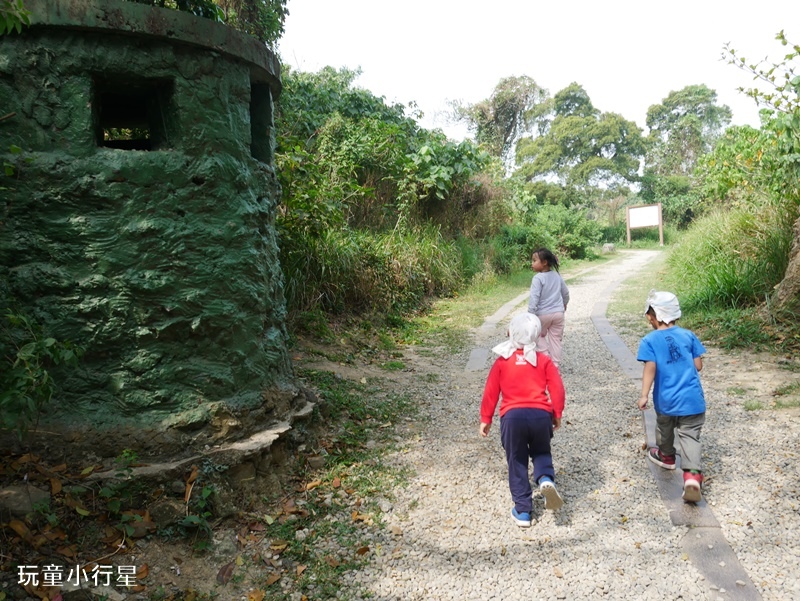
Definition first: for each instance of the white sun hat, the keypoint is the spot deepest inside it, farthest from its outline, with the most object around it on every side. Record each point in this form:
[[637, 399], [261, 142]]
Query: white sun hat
[[665, 305]]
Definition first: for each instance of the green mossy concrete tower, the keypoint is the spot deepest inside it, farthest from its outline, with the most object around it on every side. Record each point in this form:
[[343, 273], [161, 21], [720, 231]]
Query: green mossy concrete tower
[[139, 221]]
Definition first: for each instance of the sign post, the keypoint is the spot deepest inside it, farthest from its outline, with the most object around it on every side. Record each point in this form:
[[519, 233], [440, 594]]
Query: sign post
[[645, 216]]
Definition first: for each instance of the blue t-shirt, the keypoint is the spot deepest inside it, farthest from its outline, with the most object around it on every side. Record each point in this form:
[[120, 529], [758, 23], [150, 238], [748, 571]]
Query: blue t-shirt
[[677, 390]]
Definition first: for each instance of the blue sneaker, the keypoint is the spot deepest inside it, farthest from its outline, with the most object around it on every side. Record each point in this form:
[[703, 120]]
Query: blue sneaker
[[522, 519], [552, 500]]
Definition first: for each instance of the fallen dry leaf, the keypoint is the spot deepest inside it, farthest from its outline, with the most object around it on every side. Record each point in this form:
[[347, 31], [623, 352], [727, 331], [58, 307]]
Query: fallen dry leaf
[[225, 573], [336, 483], [143, 571], [332, 561], [361, 517], [272, 578], [396, 530], [20, 528], [193, 475], [278, 545], [301, 569], [558, 573], [255, 595], [239, 561], [313, 485], [362, 550], [70, 551], [55, 486]]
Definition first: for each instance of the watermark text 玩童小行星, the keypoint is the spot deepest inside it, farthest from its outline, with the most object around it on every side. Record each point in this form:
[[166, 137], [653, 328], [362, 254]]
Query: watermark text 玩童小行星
[[97, 575]]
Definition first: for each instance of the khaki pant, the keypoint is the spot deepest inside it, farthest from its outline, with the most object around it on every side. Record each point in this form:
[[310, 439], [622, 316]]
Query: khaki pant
[[686, 429], [550, 337]]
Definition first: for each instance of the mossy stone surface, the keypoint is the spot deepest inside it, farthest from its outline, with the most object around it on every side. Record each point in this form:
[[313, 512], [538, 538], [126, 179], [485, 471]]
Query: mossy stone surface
[[161, 264]]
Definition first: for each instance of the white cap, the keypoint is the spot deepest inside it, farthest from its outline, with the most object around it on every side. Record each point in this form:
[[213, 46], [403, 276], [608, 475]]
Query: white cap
[[664, 304]]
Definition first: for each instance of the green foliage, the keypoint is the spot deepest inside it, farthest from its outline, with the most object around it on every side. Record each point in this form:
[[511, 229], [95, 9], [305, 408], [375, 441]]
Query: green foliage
[[500, 120], [370, 200], [309, 99], [13, 16], [442, 183], [683, 127], [197, 522], [581, 146], [11, 168], [730, 328], [736, 172], [569, 233], [680, 204], [28, 356], [207, 9], [263, 19], [783, 85], [574, 234]]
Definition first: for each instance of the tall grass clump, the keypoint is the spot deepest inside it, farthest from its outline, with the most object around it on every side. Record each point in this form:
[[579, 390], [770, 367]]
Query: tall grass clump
[[357, 271], [731, 259]]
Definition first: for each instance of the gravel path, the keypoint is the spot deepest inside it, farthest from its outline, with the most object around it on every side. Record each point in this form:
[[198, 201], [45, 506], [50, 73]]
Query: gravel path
[[451, 535]]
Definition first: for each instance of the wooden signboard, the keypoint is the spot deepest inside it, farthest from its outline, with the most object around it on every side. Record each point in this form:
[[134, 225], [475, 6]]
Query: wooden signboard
[[645, 216]]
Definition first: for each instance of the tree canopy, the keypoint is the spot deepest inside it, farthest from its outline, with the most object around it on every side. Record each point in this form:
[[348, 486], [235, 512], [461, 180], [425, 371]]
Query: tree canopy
[[500, 120], [683, 127], [580, 145]]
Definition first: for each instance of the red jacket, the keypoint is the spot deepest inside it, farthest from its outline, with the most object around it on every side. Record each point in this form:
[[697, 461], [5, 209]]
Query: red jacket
[[522, 386]]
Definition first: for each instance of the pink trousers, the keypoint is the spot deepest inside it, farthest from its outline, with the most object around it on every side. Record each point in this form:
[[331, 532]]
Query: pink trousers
[[550, 337]]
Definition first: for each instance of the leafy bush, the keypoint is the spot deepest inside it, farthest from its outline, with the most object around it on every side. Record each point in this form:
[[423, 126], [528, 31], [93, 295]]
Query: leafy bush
[[369, 198], [573, 233], [26, 382], [263, 19], [13, 16]]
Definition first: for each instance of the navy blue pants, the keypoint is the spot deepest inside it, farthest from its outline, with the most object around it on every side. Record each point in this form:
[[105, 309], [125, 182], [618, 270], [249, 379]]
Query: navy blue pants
[[526, 434]]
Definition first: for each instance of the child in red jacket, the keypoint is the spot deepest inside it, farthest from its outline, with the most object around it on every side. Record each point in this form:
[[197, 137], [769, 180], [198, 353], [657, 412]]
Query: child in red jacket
[[530, 410]]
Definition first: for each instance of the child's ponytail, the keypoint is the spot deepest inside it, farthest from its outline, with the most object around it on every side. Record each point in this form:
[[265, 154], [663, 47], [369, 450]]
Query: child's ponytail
[[547, 256]]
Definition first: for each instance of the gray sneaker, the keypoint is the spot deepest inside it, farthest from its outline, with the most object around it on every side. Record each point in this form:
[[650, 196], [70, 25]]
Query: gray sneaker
[[552, 500]]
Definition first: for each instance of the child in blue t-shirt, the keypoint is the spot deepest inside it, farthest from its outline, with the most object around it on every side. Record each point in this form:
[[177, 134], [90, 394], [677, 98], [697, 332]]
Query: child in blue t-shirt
[[672, 359]]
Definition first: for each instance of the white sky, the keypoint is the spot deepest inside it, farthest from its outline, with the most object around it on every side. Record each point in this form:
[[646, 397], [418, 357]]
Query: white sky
[[627, 54]]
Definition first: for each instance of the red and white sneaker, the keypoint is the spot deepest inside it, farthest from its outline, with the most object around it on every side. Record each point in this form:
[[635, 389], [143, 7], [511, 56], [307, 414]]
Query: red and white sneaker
[[692, 483], [655, 455]]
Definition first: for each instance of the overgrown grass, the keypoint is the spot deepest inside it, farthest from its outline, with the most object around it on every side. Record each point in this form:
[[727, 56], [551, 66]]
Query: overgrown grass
[[732, 259], [355, 271], [724, 271]]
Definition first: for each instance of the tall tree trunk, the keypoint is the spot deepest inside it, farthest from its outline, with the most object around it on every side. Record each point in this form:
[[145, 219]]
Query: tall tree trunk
[[787, 293]]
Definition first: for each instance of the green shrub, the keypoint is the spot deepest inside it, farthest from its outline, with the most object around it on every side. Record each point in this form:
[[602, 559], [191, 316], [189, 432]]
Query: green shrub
[[28, 357]]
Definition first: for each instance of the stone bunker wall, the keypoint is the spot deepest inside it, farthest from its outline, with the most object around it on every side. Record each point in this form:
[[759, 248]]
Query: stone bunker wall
[[139, 222]]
